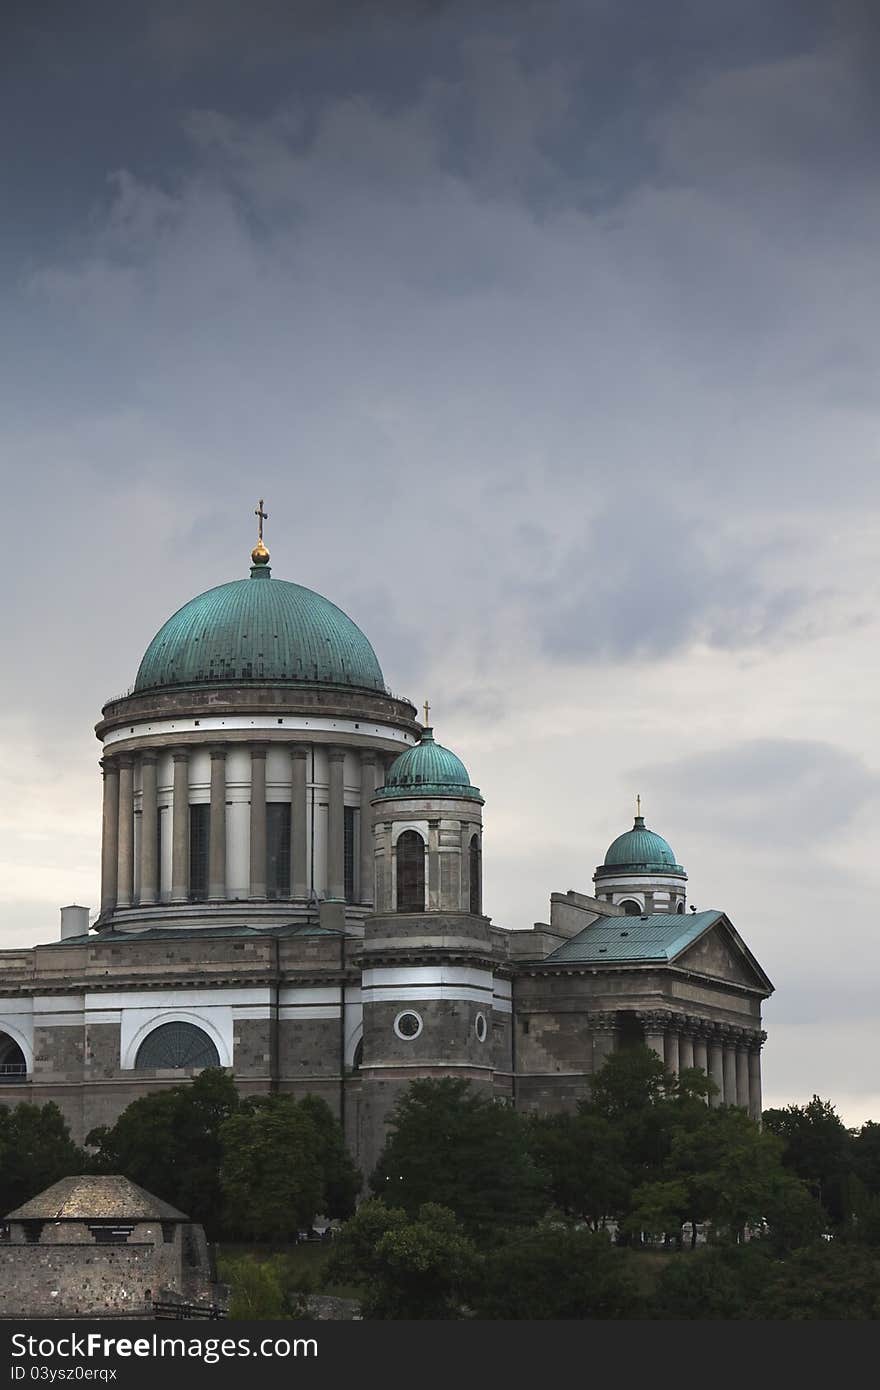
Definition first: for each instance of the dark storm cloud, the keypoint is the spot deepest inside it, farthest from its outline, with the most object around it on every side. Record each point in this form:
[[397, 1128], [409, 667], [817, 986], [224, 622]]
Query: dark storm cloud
[[647, 581], [768, 794]]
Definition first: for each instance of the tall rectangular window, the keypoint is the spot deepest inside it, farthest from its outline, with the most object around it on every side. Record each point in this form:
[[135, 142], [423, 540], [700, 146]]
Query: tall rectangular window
[[199, 835], [278, 849], [349, 851]]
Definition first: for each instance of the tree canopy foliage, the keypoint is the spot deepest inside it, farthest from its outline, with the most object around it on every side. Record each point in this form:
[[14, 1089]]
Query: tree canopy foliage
[[455, 1148], [35, 1151]]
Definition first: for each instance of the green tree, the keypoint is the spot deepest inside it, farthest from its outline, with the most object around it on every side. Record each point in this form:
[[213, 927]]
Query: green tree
[[553, 1271], [719, 1282], [35, 1151], [405, 1267], [342, 1181], [827, 1281], [866, 1156], [731, 1170], [270, 1169], [256, 1287], [169, 1142], [583, 1158], [458, 1149], [819, 1149]]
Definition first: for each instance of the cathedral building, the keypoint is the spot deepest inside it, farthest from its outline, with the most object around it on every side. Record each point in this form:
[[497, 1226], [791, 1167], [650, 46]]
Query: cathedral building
[[291, 888]]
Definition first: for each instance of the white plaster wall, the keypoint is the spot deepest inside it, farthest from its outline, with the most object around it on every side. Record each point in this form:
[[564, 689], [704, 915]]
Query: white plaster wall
[[199, 776], [17, 1020], [278, 774], [394, 984], [165, 851], [321, 829]]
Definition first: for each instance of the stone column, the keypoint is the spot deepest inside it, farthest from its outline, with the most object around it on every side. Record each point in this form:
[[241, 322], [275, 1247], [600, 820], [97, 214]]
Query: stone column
[[755, 1077], [299, 816], [729, 1071], [671, 1049], [701, 1051], [125, 880], [217, 827], [654, 1025], [686, 1048], [258, 820], [742, 1073], [180, 827], [149, 831], [369, 783], [716, 1067], [110, 835], [602, 1028], [336, 826]]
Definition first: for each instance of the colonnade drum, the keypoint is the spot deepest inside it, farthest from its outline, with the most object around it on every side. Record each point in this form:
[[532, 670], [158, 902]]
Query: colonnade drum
[[218, 823], [275, 822]]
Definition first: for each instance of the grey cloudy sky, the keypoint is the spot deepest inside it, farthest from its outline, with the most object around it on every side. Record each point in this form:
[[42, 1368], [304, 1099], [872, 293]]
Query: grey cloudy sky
[[548, 332]]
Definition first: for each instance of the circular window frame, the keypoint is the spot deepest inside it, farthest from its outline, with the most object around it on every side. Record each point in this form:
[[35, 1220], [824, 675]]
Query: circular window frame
[[408, 1013], [481, 1019]]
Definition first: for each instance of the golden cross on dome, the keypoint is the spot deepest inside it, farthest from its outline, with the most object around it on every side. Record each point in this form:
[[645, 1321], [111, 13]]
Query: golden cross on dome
[[427, 711], [263, 516]]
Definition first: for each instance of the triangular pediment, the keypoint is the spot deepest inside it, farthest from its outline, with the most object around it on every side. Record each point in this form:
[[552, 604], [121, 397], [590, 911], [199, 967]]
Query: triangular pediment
[[721, 953]]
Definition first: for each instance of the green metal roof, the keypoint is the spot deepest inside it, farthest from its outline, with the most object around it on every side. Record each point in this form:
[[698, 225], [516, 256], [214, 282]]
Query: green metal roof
[[640, 851], [259, 629], [187, 933], [660, 936], [429, 769]]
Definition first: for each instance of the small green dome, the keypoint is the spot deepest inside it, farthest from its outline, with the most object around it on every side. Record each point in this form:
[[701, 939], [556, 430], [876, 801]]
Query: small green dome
[[641, 851], [429, 769], [259, 629]]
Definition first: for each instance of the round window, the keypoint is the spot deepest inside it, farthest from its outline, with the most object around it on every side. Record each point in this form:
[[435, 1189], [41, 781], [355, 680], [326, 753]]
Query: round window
[[408, 1025], [480, 1027]]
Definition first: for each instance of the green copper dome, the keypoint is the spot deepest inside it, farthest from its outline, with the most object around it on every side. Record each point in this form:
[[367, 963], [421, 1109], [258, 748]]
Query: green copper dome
[[429, 769], [640, 851], [259, 629]]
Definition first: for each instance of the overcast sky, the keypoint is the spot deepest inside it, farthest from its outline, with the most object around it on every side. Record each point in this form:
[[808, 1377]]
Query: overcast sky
[[548, 331]]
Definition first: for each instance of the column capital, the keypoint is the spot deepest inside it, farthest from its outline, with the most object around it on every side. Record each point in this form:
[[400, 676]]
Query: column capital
[[653, 1019], [336, 755], [602, 1022], [368, 755], [258, 750], [180, 753], [299, 750], [125, 760], [109, 765], [150, 755], [217, 751]]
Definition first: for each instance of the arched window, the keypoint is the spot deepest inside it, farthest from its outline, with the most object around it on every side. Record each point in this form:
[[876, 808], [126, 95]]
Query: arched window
[[176, 1046], [475, 870], [631, 908], [680, 907], [13, 1066], [410, 872]]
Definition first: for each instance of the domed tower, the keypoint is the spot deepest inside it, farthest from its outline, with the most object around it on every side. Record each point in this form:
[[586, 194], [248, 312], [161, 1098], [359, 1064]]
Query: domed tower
[[640, 873], [428, 837], [239, 770], [431, 1003]]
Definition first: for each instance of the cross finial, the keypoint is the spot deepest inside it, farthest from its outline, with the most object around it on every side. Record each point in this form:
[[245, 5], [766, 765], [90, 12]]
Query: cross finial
[[638, 805], [262, 516], [427, 713]]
